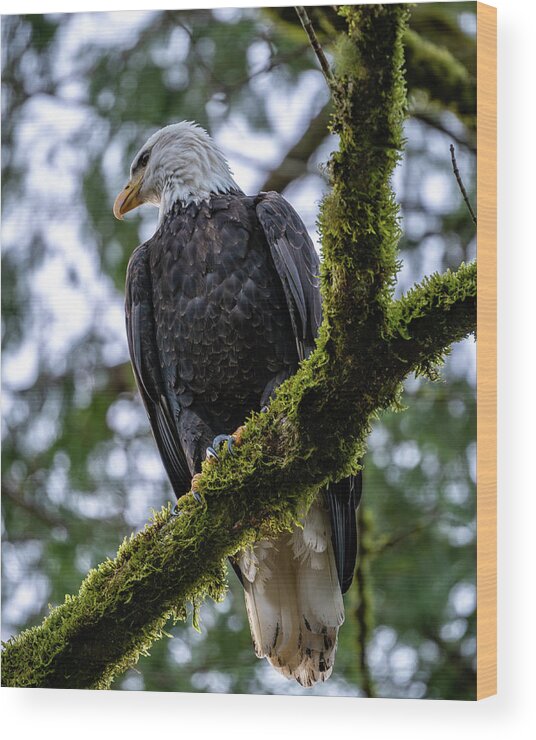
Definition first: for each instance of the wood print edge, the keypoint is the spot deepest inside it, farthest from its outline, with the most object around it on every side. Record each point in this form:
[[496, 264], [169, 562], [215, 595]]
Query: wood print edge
[[487, 351]]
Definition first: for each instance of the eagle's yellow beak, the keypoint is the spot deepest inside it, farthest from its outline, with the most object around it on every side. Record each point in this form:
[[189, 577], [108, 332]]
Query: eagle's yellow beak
[[129, 197]]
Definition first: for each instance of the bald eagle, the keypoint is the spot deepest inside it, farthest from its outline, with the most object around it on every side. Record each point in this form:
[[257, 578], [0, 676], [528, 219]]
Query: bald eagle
[[222, 303]]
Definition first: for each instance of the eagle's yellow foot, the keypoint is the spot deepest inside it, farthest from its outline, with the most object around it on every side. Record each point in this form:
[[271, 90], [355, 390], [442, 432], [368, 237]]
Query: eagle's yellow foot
[[194, 490], [237, 436]]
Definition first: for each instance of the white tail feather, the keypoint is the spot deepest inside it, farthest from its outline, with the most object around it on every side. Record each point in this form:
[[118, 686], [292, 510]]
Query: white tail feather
[[293, 599]]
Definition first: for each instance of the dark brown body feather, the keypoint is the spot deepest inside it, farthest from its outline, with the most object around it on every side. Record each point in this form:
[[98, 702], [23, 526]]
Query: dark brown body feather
[[222, 322], [222, 303]]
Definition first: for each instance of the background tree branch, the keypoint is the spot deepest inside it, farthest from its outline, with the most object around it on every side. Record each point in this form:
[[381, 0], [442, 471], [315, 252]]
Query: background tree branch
[[436, 71], [317, 425], [294, 163]]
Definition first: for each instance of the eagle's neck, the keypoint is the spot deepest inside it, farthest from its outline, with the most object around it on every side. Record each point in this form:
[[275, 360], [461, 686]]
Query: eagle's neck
[[184, 196], [198, 176]]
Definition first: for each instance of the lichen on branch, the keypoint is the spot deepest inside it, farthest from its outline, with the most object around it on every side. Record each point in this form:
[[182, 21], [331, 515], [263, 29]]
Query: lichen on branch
[[317, 425]]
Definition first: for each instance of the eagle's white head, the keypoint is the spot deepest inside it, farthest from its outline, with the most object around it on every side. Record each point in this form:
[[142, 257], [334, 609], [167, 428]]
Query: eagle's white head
[[178, 163]]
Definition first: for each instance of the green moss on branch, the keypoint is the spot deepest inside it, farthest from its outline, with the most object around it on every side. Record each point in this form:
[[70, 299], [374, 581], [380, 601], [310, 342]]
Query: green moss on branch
[[359, 218], [433, 315]]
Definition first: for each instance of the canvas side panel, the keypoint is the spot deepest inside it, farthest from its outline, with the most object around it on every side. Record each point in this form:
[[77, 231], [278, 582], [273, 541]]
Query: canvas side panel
[[487, 351]]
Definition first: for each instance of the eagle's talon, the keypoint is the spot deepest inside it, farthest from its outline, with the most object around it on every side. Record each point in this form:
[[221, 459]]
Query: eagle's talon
[[176, 511], [233, 440], [217, 443], [212, 455]]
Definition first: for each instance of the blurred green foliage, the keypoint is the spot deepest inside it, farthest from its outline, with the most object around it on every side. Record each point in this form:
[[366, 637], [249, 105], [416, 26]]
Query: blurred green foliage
[[80, 94]]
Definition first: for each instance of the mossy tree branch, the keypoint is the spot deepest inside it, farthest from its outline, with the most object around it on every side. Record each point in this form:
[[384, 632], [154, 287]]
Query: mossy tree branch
[[433, 315], [316, 427]]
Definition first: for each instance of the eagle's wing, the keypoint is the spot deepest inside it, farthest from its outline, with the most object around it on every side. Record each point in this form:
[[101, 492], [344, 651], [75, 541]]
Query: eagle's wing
[[297, 264], [298, 267], [141, 336]]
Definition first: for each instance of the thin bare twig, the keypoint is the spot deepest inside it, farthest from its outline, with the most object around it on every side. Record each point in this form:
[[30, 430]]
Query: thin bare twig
[[430, 119], [460, 183], [310, 31], [395, 539], [276, 61], [30, 506]]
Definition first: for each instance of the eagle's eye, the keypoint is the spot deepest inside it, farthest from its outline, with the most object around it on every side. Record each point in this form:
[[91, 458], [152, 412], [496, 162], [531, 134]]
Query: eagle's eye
[[142, 162]]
